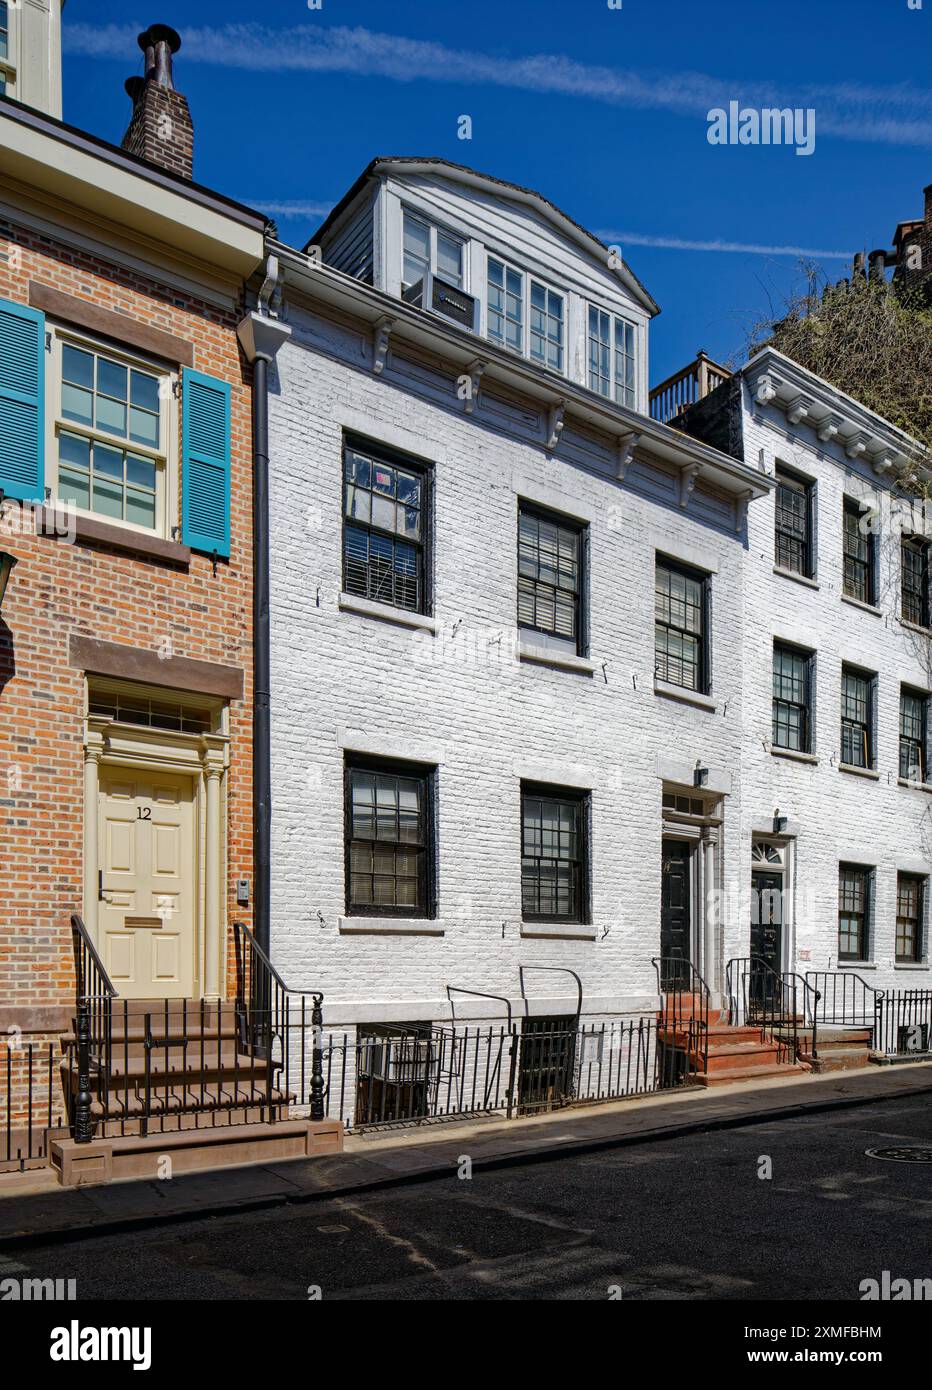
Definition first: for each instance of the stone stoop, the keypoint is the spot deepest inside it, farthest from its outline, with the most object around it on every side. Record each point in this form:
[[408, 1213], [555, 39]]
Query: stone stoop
[[135, 1156], [840, 1049], [736, 1052]]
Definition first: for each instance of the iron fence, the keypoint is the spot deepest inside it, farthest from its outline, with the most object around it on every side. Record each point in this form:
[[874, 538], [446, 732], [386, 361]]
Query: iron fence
[[903, 1023], [31, 1105]]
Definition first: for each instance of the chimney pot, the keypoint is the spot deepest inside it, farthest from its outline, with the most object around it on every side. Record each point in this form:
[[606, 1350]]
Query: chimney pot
[[160, 129], [158, 43]]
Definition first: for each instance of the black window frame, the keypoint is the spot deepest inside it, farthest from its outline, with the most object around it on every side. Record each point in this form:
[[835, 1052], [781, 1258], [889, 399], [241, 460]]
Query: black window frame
[[378, 453], [862, 918], [859, 555], [580, 530], [425, 775], [704, 664], [915, 595], [915, 955], [805, 704], [581, 800], [866, 726], [914, 740], [794, 532]]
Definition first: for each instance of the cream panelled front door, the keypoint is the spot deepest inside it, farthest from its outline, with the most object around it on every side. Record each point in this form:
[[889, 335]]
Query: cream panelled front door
[[146, 916]]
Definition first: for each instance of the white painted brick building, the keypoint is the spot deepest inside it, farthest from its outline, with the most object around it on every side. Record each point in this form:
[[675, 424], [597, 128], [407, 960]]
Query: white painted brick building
[[664, 764]]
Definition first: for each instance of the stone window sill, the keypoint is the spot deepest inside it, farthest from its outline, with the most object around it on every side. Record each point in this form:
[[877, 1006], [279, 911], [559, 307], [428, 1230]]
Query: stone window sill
[[794, 755], [859, 603], [914, 786], [684, 696], [574, 931], [561, 661], [370, 608], [797, 578], [390, 926], [916, 627], [911, 965], [857, 965], [870, 772], [91, 530]]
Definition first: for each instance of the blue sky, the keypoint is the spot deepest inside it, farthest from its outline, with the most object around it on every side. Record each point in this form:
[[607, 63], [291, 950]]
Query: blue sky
[[604, 111]]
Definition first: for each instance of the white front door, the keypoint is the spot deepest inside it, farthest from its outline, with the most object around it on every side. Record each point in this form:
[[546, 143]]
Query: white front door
[[146, 917]]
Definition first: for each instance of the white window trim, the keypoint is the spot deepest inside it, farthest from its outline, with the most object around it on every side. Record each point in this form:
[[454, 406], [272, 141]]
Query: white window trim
[[166, 458], [9, 65], [613, 314], [433, 228], [528, 277]]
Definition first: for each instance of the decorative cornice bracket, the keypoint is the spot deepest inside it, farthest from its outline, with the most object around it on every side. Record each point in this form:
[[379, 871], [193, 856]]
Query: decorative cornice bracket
[[688, 477], [556, 418], [381, 335], [626, 445]]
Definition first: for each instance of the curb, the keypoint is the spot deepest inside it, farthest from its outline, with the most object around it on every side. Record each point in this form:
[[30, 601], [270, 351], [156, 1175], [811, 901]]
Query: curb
[[513, 1159]]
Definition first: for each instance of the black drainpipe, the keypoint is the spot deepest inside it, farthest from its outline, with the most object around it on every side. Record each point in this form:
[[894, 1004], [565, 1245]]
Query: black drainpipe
[[261, 712]]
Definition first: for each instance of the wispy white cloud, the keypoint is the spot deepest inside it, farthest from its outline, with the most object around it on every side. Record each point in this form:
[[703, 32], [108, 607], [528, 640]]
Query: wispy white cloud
[[295, 207], [670, 243], [900, 114]]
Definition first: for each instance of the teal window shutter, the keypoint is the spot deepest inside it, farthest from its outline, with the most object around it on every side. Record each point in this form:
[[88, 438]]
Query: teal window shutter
[[22, 402], [205, 463]]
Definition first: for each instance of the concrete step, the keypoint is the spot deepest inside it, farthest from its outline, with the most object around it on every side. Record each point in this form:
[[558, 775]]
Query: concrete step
[[139, 1156], [838, 1059]]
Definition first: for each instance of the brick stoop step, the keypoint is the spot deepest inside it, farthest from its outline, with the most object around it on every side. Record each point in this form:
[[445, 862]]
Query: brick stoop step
[[736, 1052], [209, 1103]]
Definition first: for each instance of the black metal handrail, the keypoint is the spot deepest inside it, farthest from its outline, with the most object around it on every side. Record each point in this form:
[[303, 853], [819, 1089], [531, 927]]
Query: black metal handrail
[[677, 978], [272, 1015], [771, 1000], [847, 999], [85, 953], [94, 996]]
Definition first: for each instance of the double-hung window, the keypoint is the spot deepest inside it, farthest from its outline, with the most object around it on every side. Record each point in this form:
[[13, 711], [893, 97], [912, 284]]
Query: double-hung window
[[430, 248], [910, 906], [112, 428], [854, 911], [389, 839], [857, 718], [6, 70], [792, 720], [550, 575], [554, 836], [793, 532], [914, 707], [612, 357], [525, 315], [915, 554], [384, 525], [859, 556], [680, 626]]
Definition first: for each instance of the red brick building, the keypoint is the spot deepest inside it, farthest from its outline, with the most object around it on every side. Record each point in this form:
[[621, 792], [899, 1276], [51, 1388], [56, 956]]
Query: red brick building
[[126, 624]]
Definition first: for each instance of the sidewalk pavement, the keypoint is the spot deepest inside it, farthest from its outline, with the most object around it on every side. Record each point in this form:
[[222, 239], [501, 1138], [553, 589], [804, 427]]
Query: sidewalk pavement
[[44, 1211]]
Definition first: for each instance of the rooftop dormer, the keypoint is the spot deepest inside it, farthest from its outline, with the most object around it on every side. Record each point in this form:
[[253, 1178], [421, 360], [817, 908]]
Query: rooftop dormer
[[30, 53], [498, 261]]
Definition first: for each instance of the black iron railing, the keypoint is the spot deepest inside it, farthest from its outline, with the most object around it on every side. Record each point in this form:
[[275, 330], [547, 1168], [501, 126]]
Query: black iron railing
[[845, 999], [280, 1025], [782, 1004], [31, 1108], [903, 1023], [684, 1018]]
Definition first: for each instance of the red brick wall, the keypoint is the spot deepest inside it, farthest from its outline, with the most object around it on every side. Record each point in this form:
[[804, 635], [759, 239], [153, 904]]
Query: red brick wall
[[60, 588]]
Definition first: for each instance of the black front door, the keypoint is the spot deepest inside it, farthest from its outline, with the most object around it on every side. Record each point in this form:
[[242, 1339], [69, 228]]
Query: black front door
[[675, 915], [766, 936]]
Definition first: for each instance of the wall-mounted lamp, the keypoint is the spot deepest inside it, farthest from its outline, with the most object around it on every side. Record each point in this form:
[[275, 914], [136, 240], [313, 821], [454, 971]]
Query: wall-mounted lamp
[[700, 776], [779, 825], [6, 569]]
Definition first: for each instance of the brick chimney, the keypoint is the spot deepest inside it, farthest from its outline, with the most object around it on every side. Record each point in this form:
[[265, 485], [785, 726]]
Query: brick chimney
[[161, 129], [913, 244]]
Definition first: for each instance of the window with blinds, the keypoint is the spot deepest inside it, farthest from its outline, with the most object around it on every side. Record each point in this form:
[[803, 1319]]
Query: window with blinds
[[910, 906], [914, 707], [791, 698], [549, 575], [384, 523], [857, 718], [914, 572], [854, 905], [793, 530], [680, 638], [858, 547]]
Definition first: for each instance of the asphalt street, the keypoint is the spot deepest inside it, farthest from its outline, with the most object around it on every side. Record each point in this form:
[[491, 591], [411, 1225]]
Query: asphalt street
[[693, 1218]]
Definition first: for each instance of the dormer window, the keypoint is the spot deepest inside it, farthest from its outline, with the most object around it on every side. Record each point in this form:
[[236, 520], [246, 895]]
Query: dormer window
[[428, 248], [525, 315], [613, 357]]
